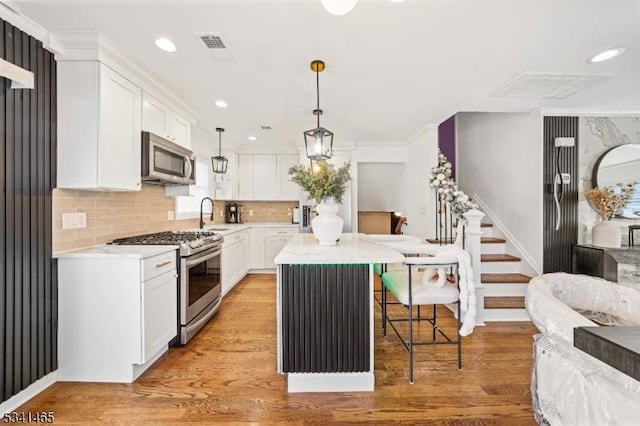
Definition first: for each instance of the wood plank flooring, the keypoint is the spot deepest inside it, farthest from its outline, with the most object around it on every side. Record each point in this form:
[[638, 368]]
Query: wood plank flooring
[[227, 374]]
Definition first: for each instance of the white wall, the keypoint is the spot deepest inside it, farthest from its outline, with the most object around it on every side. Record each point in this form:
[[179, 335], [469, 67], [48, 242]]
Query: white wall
[[379, 186], [500, 162], [415, 197]]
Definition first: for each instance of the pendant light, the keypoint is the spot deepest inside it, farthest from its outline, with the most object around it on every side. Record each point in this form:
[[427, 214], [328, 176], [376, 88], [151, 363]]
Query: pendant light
[[319, 141], [219, 162], [338, 7]]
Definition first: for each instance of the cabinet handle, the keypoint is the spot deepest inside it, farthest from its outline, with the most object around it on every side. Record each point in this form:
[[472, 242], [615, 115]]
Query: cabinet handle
[[161, 264]]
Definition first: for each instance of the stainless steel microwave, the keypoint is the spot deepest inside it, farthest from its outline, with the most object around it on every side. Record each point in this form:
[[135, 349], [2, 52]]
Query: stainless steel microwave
[[166, 163]]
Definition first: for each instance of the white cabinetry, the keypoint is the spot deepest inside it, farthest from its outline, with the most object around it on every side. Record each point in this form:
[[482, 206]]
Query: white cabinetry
[[99, 124], [226, 185], [257, 252], [245, 177], [116, 314], [160, 119], [235, 259], [276, 239], [265, 177], [266, 243]]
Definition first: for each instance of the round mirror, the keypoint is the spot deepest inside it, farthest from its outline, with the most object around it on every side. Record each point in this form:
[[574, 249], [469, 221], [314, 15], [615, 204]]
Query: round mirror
[[620, 164]]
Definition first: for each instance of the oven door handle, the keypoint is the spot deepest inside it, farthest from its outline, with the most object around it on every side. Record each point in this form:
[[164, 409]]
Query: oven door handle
[[201, 257]]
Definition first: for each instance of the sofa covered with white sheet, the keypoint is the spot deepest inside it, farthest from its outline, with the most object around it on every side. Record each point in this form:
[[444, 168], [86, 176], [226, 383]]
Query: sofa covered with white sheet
[[570, 387]]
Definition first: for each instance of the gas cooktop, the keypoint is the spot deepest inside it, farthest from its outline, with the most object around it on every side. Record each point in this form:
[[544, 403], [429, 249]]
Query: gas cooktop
[[190, 242]]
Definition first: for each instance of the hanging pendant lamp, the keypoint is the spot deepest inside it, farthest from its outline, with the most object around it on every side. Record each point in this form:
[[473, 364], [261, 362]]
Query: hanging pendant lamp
[[338, 7], [319, 141], [219, 162]]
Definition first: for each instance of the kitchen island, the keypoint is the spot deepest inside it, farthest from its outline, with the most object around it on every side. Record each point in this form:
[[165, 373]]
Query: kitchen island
[[325, 312]]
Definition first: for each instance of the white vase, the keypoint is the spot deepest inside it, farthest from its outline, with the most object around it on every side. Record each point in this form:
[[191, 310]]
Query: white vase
[[327, 225], [606, 234]]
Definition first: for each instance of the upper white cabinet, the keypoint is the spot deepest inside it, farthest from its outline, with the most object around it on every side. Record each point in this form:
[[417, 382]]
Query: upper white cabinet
[[99, 125], [226, 185], [245, 177], [265, 177], [288, 190], [160, 119]]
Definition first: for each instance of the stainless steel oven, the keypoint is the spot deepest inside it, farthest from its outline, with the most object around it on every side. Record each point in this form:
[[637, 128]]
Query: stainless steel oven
[[200, 290]]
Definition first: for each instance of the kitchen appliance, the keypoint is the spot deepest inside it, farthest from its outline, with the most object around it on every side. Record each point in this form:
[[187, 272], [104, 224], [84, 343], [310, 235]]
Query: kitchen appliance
[[200, 290], [308, 213], [295, 217], [166, 163], [233, 213]]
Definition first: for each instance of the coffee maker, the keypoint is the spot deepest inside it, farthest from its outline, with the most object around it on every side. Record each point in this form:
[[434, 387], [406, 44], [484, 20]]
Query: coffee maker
[[233, 213]]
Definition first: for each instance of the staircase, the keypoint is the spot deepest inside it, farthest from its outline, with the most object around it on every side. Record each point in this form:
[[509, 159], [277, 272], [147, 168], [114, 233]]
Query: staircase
[[505, 286]]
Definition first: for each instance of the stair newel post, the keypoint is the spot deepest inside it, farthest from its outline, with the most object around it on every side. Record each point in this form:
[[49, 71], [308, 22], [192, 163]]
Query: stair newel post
[[473, 233]]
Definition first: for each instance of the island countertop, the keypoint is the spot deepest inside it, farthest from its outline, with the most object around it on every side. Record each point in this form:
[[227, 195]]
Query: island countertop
[[351, 248]]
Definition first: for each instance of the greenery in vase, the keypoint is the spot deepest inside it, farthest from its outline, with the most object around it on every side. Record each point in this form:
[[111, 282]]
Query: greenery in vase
[[322, 181], [609, 201]]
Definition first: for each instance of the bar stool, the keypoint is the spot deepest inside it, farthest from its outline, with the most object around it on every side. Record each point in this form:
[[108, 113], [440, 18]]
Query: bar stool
[[632, 229], [407, 288]]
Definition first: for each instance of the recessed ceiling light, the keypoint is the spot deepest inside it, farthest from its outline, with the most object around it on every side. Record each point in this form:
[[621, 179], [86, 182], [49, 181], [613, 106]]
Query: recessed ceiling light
[[252, 138], [396, 1], [166, 45], [606, 55], [221, 104]]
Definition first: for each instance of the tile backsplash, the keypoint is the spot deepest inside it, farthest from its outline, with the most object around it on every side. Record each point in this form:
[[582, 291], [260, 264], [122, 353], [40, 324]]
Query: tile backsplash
[[267, 211], [112, 215]]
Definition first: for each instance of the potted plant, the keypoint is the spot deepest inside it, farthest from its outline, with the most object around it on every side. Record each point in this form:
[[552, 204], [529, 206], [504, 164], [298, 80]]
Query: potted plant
[[326, 185], [608, 202]]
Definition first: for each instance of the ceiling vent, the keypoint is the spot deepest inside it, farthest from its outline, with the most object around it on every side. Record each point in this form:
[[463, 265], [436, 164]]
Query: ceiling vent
[[266, 127], [216, 46], [532, 85]]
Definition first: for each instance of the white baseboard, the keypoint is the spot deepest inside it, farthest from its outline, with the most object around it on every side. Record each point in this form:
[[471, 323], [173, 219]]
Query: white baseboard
[[26, 394]]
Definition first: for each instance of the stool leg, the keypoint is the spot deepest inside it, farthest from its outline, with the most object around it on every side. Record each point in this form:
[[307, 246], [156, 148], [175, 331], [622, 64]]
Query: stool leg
[[433, 337], [384, 308], [410, 329]]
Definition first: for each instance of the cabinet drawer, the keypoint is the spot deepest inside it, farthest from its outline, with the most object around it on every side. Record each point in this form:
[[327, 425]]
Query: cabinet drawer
[[157, 265], [282, 232]]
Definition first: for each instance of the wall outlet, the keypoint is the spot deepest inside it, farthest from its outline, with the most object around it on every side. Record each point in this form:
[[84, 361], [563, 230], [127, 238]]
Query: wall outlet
[[221, 213], [74, 220], [171, 215], [250, 212], [289, 212]]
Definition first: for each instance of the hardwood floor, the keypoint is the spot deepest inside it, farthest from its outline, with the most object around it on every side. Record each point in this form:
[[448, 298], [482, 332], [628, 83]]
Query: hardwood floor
[[227, 374]]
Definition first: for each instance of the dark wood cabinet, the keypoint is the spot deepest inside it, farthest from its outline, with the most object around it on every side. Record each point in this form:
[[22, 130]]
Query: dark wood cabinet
[[594, 261]]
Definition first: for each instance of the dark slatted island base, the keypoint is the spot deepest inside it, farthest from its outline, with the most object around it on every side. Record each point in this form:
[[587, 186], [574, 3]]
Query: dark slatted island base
[[325, 312]]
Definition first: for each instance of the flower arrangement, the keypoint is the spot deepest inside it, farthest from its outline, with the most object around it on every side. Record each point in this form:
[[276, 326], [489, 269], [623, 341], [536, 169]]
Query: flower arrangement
[[322, 181], [609, 201], [440, 179]]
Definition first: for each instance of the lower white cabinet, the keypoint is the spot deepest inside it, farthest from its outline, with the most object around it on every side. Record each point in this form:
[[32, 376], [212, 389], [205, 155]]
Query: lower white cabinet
[[276, 239], [257, 252], [117, 312], [235, 259], [266, 243]]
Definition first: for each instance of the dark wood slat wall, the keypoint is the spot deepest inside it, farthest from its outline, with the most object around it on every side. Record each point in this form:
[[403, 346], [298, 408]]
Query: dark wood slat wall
[[28, 297], [557, 244]]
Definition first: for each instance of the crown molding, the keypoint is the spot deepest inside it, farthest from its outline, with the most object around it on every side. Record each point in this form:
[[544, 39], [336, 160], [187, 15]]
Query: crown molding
[[17, 19]]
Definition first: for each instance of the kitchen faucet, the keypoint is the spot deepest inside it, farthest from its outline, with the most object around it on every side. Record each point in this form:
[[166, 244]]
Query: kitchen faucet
[[201, 204]]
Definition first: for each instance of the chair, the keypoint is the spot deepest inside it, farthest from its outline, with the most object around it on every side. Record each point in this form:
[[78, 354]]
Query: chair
[[407, 288]]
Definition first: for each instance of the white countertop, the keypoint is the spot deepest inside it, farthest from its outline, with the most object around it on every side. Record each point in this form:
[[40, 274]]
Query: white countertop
[[229, 228], [112, 250], [351, 248]]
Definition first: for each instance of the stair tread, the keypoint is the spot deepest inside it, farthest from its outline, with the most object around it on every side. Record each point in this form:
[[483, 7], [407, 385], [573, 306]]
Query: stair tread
[[499, 258], [492, 240], [483, 240], [516, 302], [504, 278]]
